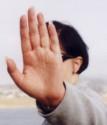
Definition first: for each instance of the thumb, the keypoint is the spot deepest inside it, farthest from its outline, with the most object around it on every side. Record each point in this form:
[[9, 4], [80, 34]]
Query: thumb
[[14, 72]]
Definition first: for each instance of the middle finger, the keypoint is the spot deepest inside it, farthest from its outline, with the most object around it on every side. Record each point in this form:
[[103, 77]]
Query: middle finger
[[33, 28]]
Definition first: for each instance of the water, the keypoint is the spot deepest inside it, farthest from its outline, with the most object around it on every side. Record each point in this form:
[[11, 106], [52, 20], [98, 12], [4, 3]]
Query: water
[[20, 117]]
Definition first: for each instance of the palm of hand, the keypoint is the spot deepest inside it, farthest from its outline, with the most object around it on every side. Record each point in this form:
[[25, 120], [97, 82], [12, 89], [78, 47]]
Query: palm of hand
[[40, 67]]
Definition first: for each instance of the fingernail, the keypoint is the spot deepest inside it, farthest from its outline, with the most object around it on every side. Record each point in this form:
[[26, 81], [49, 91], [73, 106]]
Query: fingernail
[[31, 11], [23, 20], [51, 25]]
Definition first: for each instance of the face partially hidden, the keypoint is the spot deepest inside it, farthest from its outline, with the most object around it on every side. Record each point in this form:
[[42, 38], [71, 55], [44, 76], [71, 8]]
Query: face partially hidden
[[71, 67]]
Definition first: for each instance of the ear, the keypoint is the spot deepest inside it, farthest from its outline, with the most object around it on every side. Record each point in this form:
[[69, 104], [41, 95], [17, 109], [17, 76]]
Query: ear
[[77, 62]]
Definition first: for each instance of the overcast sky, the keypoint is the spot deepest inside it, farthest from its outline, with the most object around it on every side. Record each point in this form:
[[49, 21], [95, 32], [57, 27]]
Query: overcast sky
[[89, 17]]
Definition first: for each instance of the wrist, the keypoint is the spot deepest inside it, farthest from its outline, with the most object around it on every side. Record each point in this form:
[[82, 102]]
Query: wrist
[[52, 101], [57, 96]]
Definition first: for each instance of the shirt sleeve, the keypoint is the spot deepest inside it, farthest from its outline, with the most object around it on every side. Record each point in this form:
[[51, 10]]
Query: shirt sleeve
[[80, 106]]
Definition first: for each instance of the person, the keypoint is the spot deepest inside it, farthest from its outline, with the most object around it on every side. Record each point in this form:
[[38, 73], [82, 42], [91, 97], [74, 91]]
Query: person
[[54, 55]]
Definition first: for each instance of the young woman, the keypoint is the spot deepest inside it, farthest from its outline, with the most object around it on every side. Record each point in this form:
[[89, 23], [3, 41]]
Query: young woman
[[54, 55]]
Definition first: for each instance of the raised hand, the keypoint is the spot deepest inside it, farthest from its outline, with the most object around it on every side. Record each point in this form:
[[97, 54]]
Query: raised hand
[[42, 76]]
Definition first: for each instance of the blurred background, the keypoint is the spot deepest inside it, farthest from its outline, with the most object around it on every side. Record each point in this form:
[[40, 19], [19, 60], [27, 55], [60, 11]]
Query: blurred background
[[89, 17]]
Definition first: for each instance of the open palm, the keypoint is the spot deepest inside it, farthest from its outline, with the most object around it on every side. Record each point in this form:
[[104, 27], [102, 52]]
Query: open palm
[[42, 74]]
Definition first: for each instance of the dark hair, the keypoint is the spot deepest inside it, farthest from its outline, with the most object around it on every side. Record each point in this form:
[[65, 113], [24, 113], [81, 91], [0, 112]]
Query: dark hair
[[72, 43]]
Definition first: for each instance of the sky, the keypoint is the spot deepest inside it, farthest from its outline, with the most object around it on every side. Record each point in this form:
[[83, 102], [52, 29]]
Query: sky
[[89, 17]]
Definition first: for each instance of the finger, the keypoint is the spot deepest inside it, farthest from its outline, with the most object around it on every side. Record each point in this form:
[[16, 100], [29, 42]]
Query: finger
[[33, 28], [24, 33], [54, 41], [14, 72], [44, 37]]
